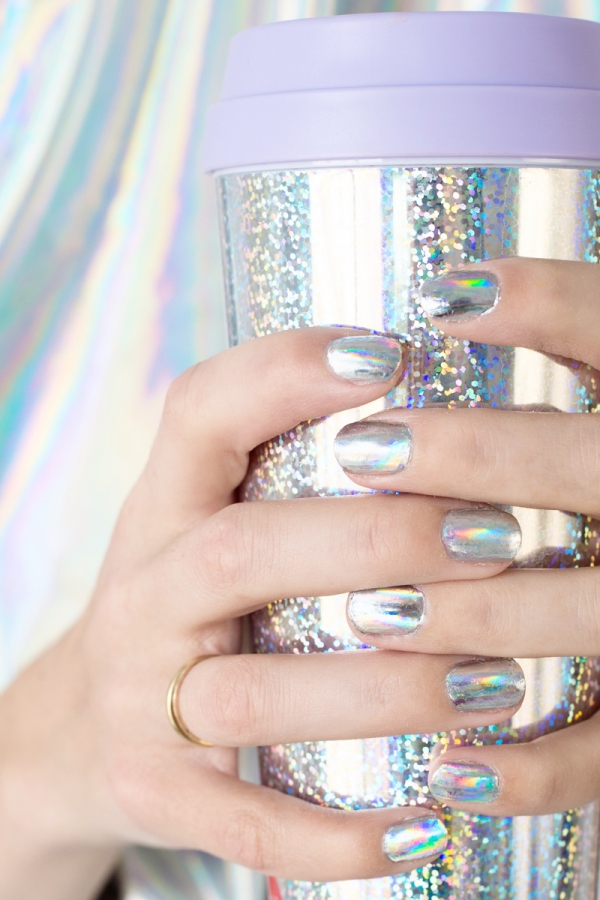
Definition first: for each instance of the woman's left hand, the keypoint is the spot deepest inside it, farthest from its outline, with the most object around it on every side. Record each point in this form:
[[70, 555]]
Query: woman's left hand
[[541, 460]]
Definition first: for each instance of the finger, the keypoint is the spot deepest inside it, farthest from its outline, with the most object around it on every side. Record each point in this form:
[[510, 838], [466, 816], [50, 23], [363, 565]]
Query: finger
[[545, 305], [284, 698], [252, 553], [554, 773], [532, 459], [266, 831], [528, 613], [219, 410]]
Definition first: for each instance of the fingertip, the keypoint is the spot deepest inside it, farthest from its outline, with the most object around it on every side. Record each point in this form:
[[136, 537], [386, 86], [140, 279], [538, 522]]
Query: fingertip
[[379, 613], [416, 839], [464, 781], [459, 295], [366, 358]]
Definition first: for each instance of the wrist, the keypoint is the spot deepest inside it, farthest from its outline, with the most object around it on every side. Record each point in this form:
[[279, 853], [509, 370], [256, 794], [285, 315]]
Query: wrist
[[54, 835]]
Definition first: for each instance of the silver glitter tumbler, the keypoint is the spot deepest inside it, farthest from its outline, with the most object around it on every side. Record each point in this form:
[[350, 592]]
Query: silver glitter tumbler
[[357, 157]]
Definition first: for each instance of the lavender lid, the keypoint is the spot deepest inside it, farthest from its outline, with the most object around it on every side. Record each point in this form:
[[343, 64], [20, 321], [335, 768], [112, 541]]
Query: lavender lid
[[441, 87]]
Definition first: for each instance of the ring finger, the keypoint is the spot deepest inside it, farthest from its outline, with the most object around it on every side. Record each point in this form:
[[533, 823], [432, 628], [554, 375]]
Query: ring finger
[[281, 698]]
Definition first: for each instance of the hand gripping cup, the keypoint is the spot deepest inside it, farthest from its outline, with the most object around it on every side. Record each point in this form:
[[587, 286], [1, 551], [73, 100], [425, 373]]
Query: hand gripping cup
[[356, 157]]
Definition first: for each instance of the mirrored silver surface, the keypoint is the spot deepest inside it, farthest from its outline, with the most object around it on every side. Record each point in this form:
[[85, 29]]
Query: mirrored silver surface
[[351, 246]]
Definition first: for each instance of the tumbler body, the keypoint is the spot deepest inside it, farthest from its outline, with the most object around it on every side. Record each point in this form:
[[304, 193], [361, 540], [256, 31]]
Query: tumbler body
[[350, 245]]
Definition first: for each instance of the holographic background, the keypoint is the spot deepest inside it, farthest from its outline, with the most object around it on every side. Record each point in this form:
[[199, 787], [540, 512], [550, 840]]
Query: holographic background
[[110, 285]]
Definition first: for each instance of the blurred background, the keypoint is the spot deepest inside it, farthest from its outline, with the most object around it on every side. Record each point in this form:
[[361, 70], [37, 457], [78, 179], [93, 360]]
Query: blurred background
[[110, 286]]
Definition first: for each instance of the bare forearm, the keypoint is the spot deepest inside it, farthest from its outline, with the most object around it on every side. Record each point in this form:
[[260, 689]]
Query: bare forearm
[[48, 847], [66, 873]]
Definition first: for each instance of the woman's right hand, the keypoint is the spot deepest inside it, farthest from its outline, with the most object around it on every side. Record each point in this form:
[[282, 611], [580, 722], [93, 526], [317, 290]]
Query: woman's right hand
[[88, 759]]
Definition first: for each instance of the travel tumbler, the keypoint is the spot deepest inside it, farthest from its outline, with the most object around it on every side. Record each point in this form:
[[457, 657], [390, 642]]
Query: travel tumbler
[[356, 157]]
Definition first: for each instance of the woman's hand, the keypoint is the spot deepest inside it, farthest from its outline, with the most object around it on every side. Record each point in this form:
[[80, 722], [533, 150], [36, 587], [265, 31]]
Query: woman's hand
[[88, 759], [547, 460]]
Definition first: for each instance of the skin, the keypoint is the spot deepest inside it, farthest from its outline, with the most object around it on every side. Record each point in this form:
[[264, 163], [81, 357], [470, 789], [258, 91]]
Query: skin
[[88, 760]]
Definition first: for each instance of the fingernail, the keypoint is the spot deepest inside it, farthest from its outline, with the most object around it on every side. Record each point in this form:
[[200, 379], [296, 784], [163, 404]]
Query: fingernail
[[482, 684], [459, 295], [386, 610], [464, 783], [364, 358], [480, 535], [415, 838], [373, 448]]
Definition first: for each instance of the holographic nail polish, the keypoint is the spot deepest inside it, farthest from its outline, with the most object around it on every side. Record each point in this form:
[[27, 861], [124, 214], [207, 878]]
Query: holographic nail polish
[[485, 684], [364, 358], [459, 295], [415, 838], [464, 783], [373, 448], [480, 535], [381, 611]]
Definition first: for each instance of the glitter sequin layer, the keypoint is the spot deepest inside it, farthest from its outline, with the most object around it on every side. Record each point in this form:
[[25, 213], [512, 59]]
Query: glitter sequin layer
[[293, 259]]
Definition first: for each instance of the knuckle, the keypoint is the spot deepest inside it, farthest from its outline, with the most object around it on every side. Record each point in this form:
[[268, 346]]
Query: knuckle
[[377, 692], [488, 617], [224, 551], [547, 783], [548, 792], [586, 606], [237, 700], [250, 839], [134, 796], [181, 398], [373, 538], [481, 451], [583, 453]]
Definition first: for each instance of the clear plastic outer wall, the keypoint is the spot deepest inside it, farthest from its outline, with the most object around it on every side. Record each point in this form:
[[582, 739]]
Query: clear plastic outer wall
[[350, 246]]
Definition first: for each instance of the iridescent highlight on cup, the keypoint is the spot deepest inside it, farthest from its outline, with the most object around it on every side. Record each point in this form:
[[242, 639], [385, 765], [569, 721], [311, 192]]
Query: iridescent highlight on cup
[[292, 260]]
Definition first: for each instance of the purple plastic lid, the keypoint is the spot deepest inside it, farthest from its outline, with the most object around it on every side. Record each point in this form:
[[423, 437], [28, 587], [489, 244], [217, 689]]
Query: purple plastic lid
[[442, 87]]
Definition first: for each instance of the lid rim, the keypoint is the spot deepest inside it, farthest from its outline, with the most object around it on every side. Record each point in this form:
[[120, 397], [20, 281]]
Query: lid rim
[[393, 122], [433, 162]]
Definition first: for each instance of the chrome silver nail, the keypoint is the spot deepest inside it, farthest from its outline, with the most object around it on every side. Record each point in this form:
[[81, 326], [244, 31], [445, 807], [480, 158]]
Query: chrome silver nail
[[364, 358], [485, 684], [480, 535], [373, 448], [392, 611], [464, 783], [415, 838], [459, 295]]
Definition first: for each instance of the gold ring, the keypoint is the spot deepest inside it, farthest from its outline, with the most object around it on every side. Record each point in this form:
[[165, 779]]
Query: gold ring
[[173, 702]]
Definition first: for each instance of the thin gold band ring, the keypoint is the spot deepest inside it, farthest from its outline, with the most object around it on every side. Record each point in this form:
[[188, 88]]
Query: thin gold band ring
[[173, 711]]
